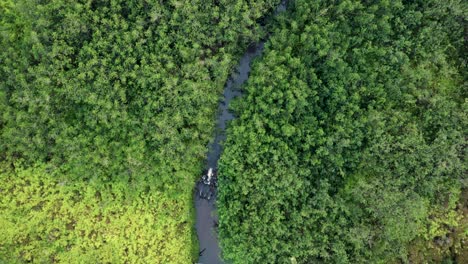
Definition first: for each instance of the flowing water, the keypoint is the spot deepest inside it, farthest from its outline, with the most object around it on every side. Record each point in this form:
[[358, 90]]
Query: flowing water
[[206, 220]]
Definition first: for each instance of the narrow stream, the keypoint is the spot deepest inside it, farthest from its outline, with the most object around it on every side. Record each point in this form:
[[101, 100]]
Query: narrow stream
[[206, 220]]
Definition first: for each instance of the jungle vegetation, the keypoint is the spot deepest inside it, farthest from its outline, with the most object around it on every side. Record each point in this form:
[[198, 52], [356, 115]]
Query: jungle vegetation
[[349, 144], [106, 109], [350, 141]]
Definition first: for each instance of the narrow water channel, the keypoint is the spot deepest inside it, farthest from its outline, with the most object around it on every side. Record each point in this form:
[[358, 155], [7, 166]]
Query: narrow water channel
[[206, 219]]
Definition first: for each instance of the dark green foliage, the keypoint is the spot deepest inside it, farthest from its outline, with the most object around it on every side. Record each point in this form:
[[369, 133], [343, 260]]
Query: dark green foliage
[[119, 95], [351, 136], [132, 82]]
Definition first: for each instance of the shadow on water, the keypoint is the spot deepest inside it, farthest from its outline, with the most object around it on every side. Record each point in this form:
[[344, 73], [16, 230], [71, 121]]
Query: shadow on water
[[206, 220]]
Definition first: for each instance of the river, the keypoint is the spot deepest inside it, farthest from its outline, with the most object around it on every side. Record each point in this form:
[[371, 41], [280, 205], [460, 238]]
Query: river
[[206, 218]]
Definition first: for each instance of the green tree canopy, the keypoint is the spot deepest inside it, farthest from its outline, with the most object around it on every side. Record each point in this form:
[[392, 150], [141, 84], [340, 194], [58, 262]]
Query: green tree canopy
[[351, 136]]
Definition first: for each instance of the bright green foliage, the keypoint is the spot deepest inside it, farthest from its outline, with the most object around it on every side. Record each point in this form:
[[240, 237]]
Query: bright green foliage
[[46, 217], [351, 136], [117, 99]]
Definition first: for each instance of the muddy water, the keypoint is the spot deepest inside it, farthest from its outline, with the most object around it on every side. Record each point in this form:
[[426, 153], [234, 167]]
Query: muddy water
[[206, 209]]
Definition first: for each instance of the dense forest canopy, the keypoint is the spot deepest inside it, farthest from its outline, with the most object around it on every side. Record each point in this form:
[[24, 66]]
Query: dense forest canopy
[[350, 142], [106, 111]]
